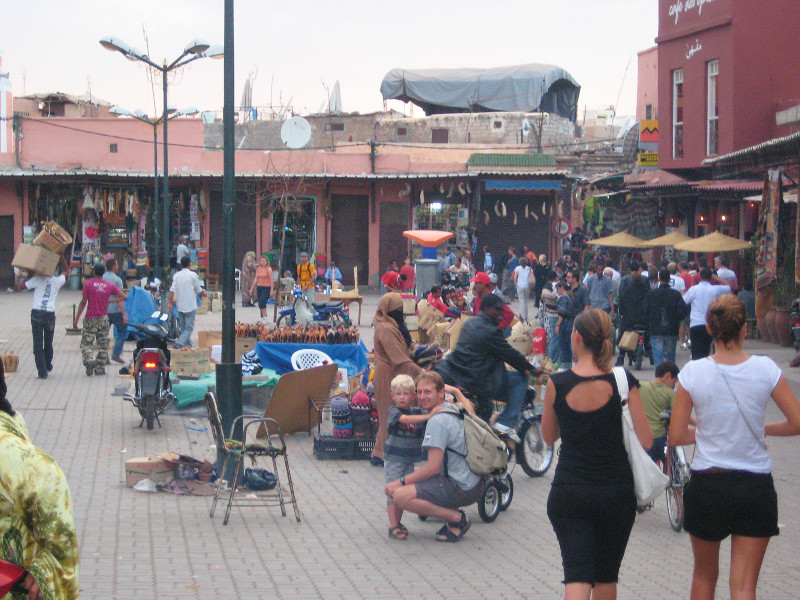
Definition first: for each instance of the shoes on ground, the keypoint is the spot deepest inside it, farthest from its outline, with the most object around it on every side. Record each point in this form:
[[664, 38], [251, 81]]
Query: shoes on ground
[[375, 461], [89, 371], [42, 376], [49, 368], [506, 431], [117, 359], [99, 371]]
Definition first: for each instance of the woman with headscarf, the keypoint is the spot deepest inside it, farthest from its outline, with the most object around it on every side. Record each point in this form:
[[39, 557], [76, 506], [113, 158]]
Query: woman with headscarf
[[392, 357], [249, 266], [36, 526]]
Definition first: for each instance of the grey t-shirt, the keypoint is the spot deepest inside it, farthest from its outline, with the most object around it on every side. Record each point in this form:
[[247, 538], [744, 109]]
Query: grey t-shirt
[[447, 431], [113, 307], [599, 289]]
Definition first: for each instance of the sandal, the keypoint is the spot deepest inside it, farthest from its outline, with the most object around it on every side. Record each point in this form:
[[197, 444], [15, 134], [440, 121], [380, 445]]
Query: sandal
[[445, 535], [398, 532]]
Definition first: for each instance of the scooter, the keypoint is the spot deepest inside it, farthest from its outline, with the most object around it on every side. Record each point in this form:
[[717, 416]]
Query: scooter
[[302, 311], [153, 393]]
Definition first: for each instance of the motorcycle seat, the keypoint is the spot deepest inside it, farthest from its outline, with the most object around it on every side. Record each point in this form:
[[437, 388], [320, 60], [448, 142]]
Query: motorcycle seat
[[327, 304]]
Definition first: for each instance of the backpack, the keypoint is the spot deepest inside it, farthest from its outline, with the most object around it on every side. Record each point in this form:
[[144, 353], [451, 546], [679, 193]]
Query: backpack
[[486, 452]]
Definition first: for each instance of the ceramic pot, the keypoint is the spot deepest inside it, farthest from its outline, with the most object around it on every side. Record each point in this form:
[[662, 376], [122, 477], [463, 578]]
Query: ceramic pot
[[769, 321], [782, 329]]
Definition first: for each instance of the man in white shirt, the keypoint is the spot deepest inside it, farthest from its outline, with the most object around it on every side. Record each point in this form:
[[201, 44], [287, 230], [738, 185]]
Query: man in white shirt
[[676, 282], [187, 287], [181, 250], [116, 311], [699, 297], [724, 274], [43, 316]]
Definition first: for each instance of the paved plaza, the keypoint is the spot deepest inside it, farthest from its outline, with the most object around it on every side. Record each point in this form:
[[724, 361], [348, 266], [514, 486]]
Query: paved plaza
[[141, 546]]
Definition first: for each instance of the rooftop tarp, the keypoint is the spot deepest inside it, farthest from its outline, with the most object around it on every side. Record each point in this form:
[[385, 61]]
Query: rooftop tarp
[[522, 88]]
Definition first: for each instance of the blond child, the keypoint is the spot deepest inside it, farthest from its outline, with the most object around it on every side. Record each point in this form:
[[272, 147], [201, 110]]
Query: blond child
[[406, 428]]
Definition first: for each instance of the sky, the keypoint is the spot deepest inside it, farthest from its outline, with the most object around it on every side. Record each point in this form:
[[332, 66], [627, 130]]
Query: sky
[[300, 48]]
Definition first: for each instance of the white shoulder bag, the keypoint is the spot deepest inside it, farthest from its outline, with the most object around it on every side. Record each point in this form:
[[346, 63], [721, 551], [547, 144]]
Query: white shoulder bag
[[648, 480]]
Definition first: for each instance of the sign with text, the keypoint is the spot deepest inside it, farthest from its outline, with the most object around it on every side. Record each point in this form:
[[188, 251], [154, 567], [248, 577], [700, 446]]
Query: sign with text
[[648, 159]]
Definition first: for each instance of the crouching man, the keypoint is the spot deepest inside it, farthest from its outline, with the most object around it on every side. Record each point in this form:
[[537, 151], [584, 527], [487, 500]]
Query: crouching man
[[444, 484]]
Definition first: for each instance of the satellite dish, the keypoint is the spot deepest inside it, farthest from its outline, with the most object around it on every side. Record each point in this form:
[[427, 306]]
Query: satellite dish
[[526, 127], [630, 144], [296, 132]]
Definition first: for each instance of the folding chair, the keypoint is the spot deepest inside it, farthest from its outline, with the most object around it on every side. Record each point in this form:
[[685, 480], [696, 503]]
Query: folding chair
[[252, 450]]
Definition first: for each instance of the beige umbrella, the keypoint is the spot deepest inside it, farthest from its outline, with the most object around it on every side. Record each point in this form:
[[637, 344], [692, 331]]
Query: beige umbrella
[[713, 242], [622, 239], [669, 239]]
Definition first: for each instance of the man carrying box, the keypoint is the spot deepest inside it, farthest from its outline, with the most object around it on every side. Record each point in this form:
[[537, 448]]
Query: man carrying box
[[187, 287], [43, 316], [96, 293]]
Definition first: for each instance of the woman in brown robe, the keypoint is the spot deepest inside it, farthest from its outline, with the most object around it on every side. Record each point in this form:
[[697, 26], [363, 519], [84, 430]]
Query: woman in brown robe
[[392, 344], [248, 273]]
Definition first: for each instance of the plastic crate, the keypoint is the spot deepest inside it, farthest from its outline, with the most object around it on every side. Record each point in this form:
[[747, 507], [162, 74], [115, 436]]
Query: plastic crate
[[327, 447]]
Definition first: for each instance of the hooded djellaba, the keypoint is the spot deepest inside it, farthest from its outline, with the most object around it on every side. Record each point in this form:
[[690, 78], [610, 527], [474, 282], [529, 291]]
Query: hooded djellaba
[[392, 357], [37, 530]]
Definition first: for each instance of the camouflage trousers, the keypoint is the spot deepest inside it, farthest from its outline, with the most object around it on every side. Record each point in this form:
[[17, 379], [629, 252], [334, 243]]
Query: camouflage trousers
[[94, 343]]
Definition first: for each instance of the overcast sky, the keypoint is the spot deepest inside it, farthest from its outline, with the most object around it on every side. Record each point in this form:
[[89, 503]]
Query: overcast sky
[[298, 47]]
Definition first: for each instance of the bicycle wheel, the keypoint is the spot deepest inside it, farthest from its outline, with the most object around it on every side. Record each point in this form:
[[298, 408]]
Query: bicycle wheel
[[490, 502], [285, 320], [533, 454], [674, 493]]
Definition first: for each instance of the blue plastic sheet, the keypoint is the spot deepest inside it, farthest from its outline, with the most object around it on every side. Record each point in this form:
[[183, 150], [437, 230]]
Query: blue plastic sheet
[[278, 357], [139, 305]]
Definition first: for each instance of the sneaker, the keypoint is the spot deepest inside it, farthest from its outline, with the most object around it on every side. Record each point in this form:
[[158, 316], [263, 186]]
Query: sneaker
[[117, 359], [506, 431], [99, 371]]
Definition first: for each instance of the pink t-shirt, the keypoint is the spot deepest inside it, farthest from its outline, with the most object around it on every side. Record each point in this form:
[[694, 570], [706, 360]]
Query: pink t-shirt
[[97, 292]]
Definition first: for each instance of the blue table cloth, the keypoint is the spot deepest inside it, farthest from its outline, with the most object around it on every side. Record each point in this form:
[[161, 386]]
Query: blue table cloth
[[278, 357]]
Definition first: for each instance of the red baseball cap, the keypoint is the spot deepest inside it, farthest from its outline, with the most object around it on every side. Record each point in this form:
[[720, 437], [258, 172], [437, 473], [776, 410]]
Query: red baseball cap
[[481, 278]]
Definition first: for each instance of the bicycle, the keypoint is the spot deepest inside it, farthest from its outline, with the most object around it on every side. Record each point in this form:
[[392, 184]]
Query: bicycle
[[675, 467]]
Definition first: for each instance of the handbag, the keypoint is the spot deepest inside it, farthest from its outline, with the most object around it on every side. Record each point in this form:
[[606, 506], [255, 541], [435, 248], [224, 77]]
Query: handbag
[[648, 479], [531, 278], [629, 341]]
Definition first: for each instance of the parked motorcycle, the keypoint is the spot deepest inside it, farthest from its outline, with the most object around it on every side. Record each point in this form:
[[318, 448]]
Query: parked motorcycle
[[302, 311], [151, 359]]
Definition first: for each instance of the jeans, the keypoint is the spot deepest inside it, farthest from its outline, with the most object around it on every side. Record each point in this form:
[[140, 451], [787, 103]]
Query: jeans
[[43, 325], [120, 332], [565, 344], [517, 388], [701, 341], [663, 348], [553, 348], [522, 294], [186, 326]]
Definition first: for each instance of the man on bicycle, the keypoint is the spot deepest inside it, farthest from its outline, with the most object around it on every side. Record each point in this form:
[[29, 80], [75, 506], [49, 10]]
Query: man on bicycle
[[478, 365], [658, 396]]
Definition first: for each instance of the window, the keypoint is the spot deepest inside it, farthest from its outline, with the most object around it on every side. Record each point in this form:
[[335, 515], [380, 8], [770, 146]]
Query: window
[[498, 124], [712, 109], [112, 148], [402, 131], [677, 113], [648, 112], [440, 136], [337, 126]]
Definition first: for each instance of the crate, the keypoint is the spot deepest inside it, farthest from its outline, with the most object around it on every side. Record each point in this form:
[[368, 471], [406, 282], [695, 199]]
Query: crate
[[53, 237], [327, 447]]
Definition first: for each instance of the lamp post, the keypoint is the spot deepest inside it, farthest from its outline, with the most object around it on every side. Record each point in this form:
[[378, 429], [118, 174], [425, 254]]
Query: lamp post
[[140, 115], [194, 50]]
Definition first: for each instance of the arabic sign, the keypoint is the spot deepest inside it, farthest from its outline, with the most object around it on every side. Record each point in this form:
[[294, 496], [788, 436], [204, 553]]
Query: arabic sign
[[648, 159], [692, 49]]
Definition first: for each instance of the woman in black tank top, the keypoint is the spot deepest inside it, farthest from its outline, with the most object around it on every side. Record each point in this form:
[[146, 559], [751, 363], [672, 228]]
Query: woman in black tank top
[[591, 505]]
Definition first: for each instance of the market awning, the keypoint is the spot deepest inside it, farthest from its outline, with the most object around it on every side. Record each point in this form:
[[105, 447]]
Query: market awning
[[713, 242], [524, 185], [669, 239], [622, 239]]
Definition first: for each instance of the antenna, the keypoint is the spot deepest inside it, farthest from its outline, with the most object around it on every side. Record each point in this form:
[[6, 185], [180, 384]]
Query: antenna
[[296, 132]]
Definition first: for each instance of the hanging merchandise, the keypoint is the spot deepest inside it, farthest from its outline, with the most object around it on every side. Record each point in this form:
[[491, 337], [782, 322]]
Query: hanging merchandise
[[87, 198]]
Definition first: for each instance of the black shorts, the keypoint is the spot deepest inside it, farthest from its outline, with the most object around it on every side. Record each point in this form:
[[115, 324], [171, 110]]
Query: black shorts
[[592, 524], [443, 491], [263, 295], [723, 503]]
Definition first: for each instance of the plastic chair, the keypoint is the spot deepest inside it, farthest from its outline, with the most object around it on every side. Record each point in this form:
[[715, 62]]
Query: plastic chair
[[238, 277], [308, 358], [252, 450]]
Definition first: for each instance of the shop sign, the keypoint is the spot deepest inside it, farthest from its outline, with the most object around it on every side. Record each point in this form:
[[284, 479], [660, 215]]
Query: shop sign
[[648, 159], [562, 227]]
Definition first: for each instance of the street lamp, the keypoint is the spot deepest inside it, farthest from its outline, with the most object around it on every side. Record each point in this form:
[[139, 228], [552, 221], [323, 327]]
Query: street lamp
[[194, 50], [140, 115]]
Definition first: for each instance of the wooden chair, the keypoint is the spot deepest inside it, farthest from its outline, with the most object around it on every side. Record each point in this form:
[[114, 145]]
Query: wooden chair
[[252, 450]]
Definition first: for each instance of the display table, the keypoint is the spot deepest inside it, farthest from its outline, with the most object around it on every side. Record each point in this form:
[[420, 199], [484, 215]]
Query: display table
[[278, 357], [192, 391]]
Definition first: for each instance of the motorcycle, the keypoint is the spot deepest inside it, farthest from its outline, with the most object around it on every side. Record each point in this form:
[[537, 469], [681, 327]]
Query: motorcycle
[[151, 359], [303, 311]]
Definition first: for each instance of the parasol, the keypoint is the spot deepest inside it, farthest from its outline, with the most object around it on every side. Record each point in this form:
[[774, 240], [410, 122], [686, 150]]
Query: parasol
[[713, 242], [669, 239], [427, 237], [622, 239]]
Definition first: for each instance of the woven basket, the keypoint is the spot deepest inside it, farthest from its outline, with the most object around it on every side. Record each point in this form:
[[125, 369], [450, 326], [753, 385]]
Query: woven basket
[[10, 362]]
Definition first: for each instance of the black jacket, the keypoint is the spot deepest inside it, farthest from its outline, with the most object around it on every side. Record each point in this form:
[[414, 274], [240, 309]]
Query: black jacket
[[478, 362], [665, 309], [632, 302]]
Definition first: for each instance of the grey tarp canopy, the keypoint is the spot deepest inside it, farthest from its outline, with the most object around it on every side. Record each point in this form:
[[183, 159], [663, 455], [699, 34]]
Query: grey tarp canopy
[[522, 88]]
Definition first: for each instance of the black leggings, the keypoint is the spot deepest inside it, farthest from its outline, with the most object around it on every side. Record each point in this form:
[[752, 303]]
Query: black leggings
[[592, 524]]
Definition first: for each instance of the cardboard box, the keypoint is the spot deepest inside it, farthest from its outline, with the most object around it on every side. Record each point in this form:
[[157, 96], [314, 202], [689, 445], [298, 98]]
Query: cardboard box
[[205, 305], [243, 345], [191, 363], [409, 304], [36, 260], [412, 322], [10, 362], [209, 339], [53, 237], [216, 305], [206, 339], [156, 469]]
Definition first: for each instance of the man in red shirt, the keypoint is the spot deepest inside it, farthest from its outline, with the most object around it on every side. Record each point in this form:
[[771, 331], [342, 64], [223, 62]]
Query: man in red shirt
[[435, 300], [482, 288], [408, 270], [96, 294], [393, 281]]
